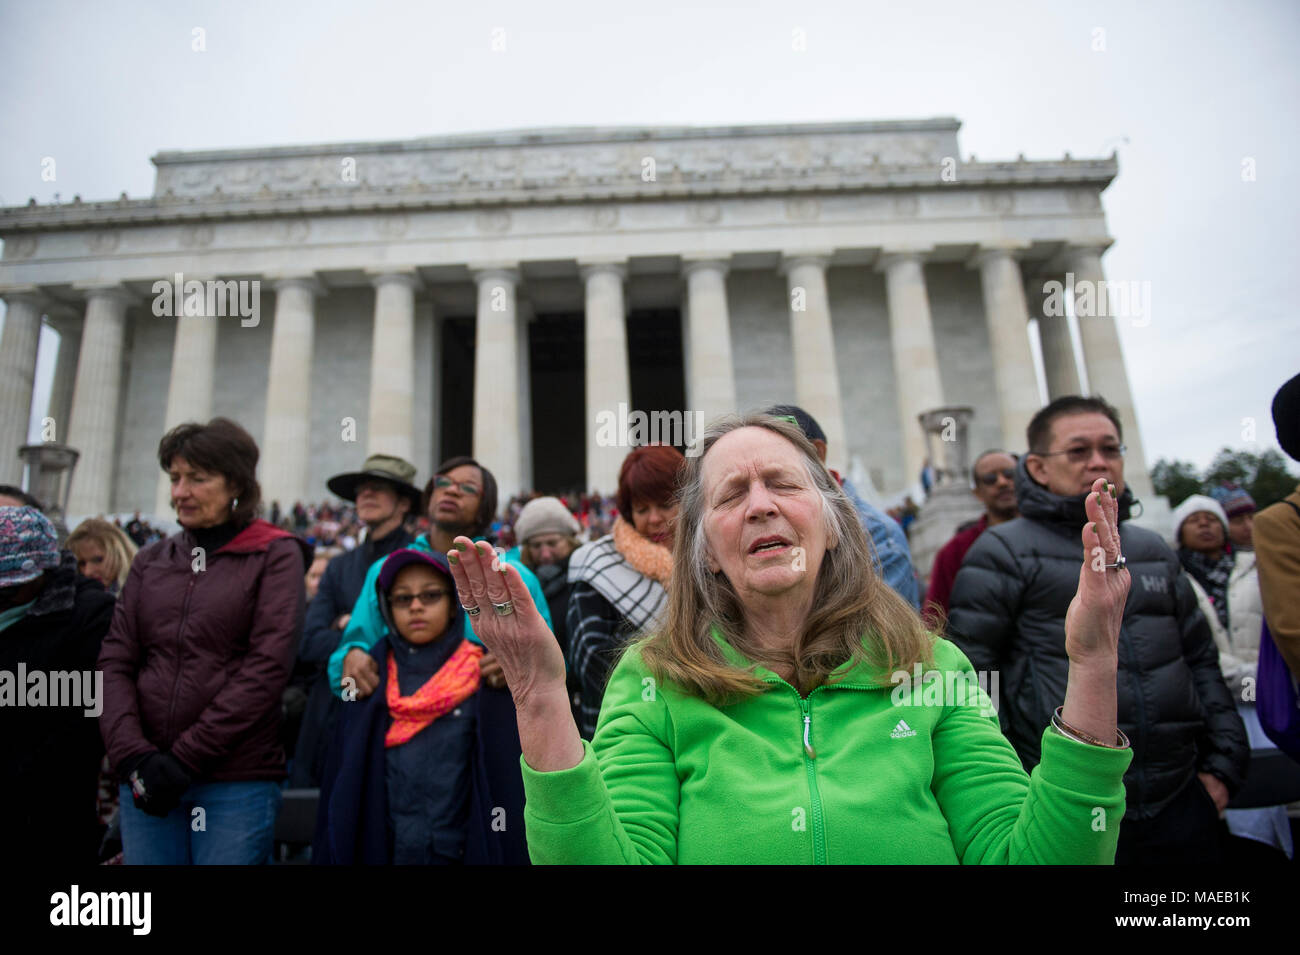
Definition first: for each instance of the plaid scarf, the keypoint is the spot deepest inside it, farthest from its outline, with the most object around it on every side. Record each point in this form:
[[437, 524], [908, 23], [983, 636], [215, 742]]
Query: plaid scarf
[[1212, 574], [636, 595], [455, 681]]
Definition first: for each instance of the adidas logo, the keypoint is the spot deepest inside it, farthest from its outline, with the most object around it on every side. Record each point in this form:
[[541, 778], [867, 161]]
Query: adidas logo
[[902, 730]]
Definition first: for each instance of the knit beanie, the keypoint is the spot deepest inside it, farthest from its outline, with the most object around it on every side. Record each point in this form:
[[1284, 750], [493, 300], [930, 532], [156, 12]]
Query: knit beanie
[[1235, 500], [545, 515], [1197, 502], [29, 545]]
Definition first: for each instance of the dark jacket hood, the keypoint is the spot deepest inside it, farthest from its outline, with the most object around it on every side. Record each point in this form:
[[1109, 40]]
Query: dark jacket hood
[[1038, 503], [62, 584]]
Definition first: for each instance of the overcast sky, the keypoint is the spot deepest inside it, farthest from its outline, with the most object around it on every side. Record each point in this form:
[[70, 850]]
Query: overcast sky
[[1187, 92]]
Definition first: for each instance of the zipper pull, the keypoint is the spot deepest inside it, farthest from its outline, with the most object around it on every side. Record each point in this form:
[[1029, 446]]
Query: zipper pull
[[807, 734]]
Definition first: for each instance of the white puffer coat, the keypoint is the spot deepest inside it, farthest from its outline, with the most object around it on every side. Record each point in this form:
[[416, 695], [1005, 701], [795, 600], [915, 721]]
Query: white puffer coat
[[1239, 643]]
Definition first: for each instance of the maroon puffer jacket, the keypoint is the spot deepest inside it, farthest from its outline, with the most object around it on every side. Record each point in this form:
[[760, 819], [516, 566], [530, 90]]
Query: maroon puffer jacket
[[196, 662]]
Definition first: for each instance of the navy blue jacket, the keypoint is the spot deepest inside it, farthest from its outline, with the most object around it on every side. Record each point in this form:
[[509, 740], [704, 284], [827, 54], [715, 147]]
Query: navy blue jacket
[[352, 823], [339, 588]]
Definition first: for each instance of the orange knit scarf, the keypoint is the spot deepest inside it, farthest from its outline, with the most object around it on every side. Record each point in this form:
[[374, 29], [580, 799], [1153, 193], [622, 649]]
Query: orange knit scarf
[[653, 560], [455, 681]]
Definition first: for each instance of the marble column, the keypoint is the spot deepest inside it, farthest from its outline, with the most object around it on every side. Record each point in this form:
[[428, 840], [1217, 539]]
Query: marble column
[[65, 374], [710, 373], [392, 366], [286, 438], [524, 360], [94, 424], [1059, 365], [22, 335], [1104, 361], [816, 378], [1007, 315], [609, 389], [916, 361], [496, 384], [189, 390]]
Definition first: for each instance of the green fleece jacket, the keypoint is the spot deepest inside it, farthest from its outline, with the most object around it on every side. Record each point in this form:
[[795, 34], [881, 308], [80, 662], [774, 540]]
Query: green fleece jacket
[[861, 771]]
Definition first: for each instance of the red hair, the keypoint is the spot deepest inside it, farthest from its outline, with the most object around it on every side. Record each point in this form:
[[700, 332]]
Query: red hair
[[648, 474]]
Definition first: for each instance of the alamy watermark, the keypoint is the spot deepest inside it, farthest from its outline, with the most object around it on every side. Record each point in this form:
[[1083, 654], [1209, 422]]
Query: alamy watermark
[[131, 909], [83, 689], [1113, 299], [946, 688], [627, 429], [176, 297]]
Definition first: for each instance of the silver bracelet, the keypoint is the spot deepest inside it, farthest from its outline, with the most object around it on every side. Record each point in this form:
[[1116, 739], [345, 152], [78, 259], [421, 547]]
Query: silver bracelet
[[1068, 731]]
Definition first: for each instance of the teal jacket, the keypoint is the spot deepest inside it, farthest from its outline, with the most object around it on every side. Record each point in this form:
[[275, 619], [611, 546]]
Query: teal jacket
[[366, 626], [857, 772]]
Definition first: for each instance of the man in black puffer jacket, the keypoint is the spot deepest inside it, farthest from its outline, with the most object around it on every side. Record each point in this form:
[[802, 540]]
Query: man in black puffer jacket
[[1008, 611]]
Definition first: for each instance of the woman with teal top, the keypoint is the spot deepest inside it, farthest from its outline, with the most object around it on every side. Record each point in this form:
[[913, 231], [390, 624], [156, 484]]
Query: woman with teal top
[[460, 500]]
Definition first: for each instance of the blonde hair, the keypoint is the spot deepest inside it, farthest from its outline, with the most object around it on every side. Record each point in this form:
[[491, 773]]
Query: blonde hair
[[119, 550], [855, 614]]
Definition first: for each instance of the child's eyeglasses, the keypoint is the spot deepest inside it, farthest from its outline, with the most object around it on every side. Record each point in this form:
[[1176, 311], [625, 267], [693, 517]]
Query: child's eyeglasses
[[428, 598]]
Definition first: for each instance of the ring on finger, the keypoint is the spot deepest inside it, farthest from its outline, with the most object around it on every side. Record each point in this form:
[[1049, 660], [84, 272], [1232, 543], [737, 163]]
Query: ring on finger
[[472, 611], [1119, 564], [504, 609]]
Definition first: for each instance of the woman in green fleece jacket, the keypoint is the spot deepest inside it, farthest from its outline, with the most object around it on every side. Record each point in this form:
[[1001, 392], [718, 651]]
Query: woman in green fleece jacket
[[775, 715]]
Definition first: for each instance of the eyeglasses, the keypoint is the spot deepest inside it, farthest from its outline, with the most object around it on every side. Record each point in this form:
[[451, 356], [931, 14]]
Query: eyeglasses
[[427, 599], [991, 478], [1082, 453], [470, 490]]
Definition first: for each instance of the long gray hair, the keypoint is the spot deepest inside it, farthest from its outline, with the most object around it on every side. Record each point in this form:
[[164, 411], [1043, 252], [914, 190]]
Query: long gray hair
[[855, 614]]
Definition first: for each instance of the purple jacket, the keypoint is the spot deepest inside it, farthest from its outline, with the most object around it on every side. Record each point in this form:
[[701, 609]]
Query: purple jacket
[[195, 662]]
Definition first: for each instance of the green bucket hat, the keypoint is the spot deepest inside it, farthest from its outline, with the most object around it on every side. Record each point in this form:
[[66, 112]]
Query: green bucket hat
[[384, 467]]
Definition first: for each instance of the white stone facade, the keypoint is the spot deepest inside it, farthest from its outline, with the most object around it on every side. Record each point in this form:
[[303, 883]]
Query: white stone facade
[[861, 270]]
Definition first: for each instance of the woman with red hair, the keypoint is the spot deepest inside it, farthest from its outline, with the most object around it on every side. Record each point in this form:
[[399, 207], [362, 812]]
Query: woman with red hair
[[618, 580]]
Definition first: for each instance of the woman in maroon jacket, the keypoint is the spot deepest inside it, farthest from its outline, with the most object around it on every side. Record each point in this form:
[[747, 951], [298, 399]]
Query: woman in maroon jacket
[[198, 655]]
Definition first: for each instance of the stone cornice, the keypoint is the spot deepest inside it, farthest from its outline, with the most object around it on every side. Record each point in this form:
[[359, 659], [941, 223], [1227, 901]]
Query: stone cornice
[[564, 136], [266, 203]]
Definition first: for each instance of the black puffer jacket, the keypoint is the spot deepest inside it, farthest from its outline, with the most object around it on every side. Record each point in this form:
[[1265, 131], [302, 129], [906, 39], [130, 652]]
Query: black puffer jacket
[[1008, 614]]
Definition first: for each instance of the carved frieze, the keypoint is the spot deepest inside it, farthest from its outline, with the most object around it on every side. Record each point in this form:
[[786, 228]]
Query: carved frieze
[[563, 159]]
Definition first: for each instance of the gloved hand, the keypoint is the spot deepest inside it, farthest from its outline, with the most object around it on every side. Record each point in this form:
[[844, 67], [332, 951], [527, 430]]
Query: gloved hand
[[157, 783]]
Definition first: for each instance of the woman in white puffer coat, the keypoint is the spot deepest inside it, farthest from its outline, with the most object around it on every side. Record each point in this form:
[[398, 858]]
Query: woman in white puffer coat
[[1226, 583]]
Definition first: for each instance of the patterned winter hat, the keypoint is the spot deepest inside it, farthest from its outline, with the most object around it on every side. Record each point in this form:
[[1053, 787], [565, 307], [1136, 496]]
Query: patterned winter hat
[[29, 545], [1235, 500]]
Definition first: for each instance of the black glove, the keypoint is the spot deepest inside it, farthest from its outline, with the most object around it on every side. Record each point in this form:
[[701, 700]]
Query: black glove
[[158, 782]]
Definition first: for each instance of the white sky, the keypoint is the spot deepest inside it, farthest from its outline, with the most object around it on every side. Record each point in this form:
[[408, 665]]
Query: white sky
[[1194, 88]]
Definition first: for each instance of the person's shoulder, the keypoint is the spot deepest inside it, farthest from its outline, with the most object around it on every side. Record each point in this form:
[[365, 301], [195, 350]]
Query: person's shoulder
[[961, 539], [631, 677], [632, 659], [949, 656], [1007, 538], [582, 558], [1279, 518], [161, 551]]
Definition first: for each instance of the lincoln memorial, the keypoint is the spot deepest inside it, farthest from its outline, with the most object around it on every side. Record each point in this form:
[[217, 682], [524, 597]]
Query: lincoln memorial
[[496, 293]]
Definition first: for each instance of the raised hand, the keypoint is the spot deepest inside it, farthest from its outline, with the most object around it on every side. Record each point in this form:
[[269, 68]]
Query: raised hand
[[526, 652], [1093, 621]]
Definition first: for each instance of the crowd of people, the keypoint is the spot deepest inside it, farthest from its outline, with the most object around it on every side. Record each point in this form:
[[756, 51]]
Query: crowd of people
[[618, 678]]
